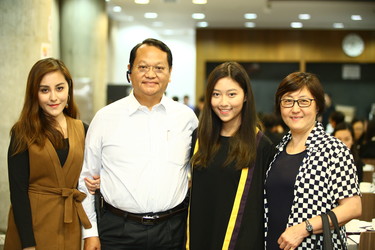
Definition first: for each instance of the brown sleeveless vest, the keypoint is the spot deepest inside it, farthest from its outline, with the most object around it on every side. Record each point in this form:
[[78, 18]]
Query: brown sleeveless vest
[[57, 212]]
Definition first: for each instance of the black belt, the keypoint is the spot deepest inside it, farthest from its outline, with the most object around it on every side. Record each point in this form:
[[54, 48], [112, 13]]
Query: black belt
[[148, 218]]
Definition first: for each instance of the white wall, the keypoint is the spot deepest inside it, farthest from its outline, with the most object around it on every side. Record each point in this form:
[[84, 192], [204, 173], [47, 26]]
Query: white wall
[[123, 37]]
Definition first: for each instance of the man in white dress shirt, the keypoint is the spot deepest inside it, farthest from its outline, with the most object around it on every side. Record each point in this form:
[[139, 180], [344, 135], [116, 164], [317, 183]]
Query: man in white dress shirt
[[139, 146]]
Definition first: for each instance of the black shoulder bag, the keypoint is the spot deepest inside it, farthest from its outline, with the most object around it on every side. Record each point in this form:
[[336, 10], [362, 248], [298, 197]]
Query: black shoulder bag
[[327, 236]]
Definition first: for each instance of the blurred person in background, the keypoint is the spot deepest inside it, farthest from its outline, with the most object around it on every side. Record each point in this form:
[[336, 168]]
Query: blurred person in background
[[186, 101], [199, 107], [344, 132], [367, 150], [335, 118], [273, 127], [359, 128], [328, 109]]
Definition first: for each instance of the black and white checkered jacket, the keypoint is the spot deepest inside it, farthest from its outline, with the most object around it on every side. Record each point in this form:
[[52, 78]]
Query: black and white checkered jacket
[[327, 174]]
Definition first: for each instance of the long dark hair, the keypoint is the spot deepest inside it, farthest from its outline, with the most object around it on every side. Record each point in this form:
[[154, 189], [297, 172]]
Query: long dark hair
[[242, 147], [34, 125]]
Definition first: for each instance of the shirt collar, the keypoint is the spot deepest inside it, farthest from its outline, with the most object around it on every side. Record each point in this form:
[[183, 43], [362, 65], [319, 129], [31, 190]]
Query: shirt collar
[[134, 105]]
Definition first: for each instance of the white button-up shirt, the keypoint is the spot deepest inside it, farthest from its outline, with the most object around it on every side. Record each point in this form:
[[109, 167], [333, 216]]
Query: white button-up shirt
[[141, 156]]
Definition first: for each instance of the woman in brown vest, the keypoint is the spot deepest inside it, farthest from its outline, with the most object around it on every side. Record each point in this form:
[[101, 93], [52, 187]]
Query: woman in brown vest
[[45, 157]]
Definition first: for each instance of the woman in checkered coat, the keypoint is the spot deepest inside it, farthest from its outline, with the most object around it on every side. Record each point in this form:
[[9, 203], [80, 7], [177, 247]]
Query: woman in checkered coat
[[311, 174]]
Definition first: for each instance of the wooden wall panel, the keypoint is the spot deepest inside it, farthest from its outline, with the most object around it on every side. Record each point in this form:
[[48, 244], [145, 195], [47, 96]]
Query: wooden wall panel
[[300, 46]]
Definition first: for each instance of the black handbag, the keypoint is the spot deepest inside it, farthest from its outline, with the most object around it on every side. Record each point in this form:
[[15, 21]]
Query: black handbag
[[327, 236]]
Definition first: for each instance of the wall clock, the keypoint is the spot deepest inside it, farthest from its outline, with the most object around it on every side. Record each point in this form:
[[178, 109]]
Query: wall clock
[[353, 45]]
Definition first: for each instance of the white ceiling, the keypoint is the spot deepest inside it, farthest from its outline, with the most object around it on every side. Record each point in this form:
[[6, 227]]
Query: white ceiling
[[175, 15]]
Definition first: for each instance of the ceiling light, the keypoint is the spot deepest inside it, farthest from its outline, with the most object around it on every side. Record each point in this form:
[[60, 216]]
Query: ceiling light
[[151, 15], [202, 24], [157, 24], [198, 15], [142, 1], [117, 9], [127, 18], [304, 16], [168, 32], [338, 25], [249, 24], [356, 17], [199, 1], [250, 16], [296, 25]]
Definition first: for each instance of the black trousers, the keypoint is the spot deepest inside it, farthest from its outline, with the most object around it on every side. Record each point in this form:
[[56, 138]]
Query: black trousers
[[119, 233]]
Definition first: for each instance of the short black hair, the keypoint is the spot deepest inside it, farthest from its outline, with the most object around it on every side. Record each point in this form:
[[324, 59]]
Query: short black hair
[[151, 42]]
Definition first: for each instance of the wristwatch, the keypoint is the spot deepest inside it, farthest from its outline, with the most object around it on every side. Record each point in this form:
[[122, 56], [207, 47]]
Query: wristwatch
[[309, 227]]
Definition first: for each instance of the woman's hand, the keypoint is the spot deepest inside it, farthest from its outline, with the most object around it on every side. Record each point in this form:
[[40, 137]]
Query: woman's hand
[[292, 237], [92, 243], [92, 184]]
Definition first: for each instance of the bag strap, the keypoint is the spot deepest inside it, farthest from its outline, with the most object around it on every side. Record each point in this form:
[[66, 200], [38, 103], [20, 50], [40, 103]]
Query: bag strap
[[327, 237], [335, 223]]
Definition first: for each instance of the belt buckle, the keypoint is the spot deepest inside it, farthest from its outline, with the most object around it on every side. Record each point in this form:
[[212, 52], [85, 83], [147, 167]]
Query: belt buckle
[[149, 219]]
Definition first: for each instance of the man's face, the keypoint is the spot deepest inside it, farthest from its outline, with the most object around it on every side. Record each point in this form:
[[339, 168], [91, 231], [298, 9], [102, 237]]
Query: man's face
[[150, 74]]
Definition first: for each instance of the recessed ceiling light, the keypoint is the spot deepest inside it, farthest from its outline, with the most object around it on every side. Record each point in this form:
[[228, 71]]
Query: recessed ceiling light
[[127, 18], [249, 24], [250, 16], [168, 32], [338, 25], [198, 15], [304, 16], [356, 17], [202, 24], [199, 1], [151, 15], [296, 25], [142, 1], [117, 9], [157, 24]]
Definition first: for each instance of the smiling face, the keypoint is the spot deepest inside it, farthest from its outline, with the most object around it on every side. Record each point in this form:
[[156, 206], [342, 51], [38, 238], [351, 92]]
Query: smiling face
[[150, 75], [227, 102], [299, 120], [53, 94]]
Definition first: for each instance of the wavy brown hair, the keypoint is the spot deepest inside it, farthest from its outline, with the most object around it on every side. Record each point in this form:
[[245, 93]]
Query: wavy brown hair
[[34, 125], [242, 146]]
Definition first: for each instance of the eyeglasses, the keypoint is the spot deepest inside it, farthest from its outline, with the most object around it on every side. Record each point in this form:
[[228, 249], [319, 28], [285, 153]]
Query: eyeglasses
[[146, 68], [302, 103]]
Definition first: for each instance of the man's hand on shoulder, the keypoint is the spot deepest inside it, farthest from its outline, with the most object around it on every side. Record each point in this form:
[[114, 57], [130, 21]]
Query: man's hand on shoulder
[[92, 243]]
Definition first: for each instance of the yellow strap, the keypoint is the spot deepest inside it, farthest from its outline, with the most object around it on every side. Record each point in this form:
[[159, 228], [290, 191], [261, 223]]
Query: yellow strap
[[188, 218], [236, 207]]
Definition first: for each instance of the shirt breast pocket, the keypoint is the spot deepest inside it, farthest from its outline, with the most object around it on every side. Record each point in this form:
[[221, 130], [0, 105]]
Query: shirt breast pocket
[[178, 147]]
